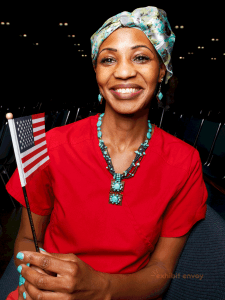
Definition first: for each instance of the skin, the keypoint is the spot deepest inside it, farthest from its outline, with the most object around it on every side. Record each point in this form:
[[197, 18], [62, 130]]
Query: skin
[[73, 279], [124, 125]]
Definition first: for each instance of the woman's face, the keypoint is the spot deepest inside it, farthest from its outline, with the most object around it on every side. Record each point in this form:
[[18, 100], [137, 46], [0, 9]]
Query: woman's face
[[123, 63]]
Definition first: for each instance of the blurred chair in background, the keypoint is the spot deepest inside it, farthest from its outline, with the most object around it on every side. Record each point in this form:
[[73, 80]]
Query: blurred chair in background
[[7, 156]]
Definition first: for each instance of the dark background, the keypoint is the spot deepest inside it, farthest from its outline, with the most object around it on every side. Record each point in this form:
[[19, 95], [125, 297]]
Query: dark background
[[55, 69]]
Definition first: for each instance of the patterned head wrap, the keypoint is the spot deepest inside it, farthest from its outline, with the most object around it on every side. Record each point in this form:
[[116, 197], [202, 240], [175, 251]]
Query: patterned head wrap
[[152, 21]]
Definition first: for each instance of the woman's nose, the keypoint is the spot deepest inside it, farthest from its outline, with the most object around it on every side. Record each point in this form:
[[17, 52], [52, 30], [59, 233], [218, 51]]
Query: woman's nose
[[124, 70]]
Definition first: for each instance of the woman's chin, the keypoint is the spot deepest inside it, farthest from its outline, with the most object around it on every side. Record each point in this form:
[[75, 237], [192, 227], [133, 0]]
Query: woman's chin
[[127, 108]]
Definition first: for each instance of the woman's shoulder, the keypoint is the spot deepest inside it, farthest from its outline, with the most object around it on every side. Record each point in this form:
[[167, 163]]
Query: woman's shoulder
[[72, 133], [173, 150]]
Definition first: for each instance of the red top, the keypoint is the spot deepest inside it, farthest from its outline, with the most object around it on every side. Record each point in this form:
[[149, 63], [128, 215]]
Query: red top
[[166, 197]]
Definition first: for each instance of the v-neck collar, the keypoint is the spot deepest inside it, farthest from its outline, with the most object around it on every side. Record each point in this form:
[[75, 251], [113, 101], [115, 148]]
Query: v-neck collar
[[102, 160]]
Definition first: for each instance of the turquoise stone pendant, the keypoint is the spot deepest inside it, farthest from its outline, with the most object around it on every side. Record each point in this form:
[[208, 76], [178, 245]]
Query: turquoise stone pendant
[[116, 189], [115, 198]]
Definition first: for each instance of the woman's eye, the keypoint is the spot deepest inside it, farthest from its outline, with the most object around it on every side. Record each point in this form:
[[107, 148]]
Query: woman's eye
[[107, 60], [141, 58]]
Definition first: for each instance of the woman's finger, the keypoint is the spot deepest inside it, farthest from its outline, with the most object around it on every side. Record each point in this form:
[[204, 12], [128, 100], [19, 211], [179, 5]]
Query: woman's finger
[[49, 263], [43, 271], [23, 294], [22, 279], [42, 281]]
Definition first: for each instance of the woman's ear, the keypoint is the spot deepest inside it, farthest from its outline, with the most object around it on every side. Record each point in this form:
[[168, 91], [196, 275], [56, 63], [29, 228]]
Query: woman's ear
[[162, 70]]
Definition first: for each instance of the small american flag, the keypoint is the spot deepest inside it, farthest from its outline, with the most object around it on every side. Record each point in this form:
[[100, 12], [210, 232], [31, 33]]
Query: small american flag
[[29, 143]]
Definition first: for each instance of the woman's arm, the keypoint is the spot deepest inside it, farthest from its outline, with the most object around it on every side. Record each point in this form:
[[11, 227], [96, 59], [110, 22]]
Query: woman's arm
[[153, 280], [24, 240]]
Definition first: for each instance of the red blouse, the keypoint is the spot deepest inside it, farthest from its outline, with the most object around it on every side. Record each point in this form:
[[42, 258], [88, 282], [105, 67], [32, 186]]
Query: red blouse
[[165, 198]]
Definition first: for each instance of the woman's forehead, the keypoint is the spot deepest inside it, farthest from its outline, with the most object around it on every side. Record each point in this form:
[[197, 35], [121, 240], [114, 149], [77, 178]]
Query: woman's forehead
[[126, 37]]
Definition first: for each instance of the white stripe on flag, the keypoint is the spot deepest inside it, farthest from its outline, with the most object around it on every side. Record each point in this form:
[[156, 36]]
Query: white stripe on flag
[[34, 158], [36, 166], [39, 137], [34, 121], [33, 149], [38, 128]]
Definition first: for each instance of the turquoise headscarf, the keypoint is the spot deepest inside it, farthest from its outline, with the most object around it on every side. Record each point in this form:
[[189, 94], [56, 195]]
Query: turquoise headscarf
[[152, 21]]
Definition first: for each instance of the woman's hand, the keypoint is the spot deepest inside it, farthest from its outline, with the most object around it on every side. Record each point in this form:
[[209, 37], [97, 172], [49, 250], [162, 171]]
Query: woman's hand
[[75, 279]]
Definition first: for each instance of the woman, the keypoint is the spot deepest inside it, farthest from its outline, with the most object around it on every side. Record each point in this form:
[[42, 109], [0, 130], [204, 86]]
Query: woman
[[119, 193]]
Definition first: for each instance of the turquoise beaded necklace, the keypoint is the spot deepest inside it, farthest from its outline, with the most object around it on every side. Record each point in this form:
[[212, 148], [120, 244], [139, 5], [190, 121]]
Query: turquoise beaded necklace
[[117, 186]]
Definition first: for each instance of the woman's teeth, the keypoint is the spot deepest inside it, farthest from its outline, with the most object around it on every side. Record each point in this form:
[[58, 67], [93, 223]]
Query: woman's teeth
[[124, 91]]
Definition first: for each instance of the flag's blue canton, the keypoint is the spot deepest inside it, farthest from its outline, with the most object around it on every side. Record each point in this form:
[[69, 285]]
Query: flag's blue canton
[[24, 131]]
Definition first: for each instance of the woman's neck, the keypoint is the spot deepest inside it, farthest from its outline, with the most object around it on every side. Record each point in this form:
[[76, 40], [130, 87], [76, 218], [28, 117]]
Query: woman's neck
[[123, 133]]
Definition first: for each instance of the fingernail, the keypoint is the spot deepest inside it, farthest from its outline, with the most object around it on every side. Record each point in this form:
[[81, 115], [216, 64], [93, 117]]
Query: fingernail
[[24, 295], [42, 249], [20, 255], [19, 269], [21, 280]]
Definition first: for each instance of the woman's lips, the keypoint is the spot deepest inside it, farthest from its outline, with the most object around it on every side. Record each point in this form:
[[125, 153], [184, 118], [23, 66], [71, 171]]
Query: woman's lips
[[125, 96]]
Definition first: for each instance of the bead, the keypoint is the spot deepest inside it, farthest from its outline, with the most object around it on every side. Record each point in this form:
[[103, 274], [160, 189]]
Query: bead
[[99, 123], [99, 134], [160, 96], [148, 135], [98, 128], [116, 186]]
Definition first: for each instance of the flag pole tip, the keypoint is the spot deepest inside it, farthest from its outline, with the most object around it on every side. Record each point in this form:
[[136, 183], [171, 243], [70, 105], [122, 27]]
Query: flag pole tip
[[9, 116]]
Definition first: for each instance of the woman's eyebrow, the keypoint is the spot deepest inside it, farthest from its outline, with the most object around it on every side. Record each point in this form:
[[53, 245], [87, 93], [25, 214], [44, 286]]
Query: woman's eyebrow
[[137, 46], [112, 49], [134, 47]]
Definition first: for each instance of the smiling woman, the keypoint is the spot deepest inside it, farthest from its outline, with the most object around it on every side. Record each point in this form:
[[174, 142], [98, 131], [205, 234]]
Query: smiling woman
[[127, 59], [116, 203]]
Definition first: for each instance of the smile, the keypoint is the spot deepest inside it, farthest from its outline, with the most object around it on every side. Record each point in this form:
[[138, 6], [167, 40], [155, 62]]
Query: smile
[[126, 93]]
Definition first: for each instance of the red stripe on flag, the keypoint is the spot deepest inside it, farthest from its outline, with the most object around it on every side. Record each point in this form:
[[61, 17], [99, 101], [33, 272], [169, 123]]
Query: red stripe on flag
[[34, 163], [30, 155], [39, 132], [39, 141], [35, 125], [38, 116], [38, 170]]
